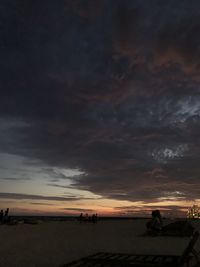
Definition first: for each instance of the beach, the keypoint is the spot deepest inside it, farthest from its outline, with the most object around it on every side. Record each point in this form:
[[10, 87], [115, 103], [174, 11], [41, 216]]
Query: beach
[[55, 243]]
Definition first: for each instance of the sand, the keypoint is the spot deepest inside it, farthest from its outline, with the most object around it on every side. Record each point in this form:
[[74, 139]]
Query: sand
[[54, 243]]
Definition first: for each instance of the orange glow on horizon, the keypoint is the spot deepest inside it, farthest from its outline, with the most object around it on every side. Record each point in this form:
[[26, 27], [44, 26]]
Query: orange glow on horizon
[[104, 207]]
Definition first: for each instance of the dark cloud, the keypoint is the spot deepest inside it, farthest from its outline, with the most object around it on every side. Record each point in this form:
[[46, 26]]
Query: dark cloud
[[137, 187], [42, 204], [108, 87], [17, 196], [15, 179], [58, 185], [78, 210]]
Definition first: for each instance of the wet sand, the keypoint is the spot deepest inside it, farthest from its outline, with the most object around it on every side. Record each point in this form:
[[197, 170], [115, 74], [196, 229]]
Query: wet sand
[[55, 243]]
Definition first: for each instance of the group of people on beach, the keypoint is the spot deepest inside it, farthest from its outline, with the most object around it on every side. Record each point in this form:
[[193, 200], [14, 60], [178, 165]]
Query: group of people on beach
[[88, 218], [4, 216]]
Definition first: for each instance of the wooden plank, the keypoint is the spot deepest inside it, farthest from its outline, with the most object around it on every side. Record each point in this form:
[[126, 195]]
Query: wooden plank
[[98, 255]]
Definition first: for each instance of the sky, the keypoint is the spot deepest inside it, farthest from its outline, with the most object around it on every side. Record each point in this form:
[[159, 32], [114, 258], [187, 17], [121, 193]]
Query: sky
[[99, 106]]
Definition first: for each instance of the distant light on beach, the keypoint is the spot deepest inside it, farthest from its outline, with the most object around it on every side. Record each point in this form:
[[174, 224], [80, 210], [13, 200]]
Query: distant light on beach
[[194, 212]]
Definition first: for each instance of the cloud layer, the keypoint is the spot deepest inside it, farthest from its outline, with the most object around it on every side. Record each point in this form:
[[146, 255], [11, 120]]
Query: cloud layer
[[109, 88]]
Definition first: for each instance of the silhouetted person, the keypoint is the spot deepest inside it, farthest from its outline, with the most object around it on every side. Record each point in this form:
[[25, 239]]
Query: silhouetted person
[[1, 216], [94, 218], [6, 212], [86, 217], [6, 218], [154, 226], [81, 217], [158, 215]]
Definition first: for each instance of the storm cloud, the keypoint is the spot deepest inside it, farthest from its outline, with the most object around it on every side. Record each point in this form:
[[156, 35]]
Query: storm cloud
[[109, 88]]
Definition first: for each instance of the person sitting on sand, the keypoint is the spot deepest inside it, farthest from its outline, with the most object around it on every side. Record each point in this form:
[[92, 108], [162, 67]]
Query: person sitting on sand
[[154, 226]]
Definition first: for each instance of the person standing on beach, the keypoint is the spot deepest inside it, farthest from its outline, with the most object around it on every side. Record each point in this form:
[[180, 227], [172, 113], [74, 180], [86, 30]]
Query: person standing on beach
[[6, 215], [81, 217], [6, 212], [86, 217], [94, 218]]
